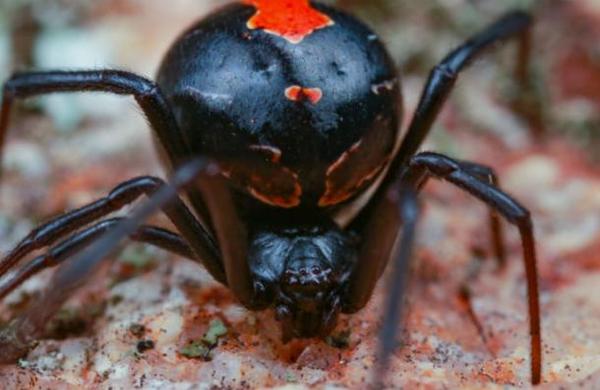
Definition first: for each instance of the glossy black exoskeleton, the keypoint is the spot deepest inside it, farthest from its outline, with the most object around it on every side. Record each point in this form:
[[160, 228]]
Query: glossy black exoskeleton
[[227, 86], [291, 159], [302, 183]]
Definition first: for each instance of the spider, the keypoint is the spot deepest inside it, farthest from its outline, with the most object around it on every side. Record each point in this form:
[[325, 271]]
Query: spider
[[280, 124]]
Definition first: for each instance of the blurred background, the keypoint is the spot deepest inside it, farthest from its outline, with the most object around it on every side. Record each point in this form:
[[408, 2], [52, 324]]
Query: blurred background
[[65, 150]]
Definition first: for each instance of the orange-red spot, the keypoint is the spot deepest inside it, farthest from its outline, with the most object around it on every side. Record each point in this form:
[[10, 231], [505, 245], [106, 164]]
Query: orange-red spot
[[260, 175], [271, 152], [297, 93], [343, 158], [268, 193], [333, 194], [291, 19], [277, 201], [359, 166]]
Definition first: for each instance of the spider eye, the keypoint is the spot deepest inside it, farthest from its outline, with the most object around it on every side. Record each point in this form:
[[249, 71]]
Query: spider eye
[[309, 278]]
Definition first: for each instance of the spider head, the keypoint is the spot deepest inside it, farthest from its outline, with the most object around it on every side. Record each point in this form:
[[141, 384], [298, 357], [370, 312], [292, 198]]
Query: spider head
[[304, 272], [309, 289]]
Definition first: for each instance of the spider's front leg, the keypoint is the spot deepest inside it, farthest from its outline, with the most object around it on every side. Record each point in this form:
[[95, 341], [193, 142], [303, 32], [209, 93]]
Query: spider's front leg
[[16, 338], [441, 81], [394, 205], [122, 195], [379, 225], [393, 208], [432, 165], [151, 235], [146, 93]]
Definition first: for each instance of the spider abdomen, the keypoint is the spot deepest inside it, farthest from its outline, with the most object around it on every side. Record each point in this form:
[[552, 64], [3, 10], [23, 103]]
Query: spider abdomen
[[301, 114]]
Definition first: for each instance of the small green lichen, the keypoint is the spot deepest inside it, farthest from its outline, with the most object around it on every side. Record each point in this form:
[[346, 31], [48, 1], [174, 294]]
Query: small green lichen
[[196, 350], [201, 348], [216, 329]]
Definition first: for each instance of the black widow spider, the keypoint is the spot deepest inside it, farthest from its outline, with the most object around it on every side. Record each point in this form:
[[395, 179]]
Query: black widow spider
[[276, 119]]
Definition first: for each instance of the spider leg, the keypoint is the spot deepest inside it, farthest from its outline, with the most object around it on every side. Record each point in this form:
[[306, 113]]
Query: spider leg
[[381, 227], [163, 122], [398, 207], [152, 235], [439, 85], [379, 235], [442, 78], [393, 206], [407, 209], [147, 94], [232, 235], [433, 165], [125, 193], [21, 332], [488, 175]]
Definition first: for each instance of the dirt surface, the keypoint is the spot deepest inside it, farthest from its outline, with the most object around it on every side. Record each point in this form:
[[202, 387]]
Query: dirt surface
[[141, 322]]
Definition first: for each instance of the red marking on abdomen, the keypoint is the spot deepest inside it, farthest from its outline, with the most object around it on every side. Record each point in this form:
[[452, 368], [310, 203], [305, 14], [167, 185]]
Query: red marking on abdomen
[[287, 201], [291, 19], [296, 93], [334, 196], [261, 175], [273, 153], [346, 177]]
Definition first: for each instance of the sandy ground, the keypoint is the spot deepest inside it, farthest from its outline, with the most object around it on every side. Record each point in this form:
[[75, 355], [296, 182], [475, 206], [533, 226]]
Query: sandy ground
[[130, 326]]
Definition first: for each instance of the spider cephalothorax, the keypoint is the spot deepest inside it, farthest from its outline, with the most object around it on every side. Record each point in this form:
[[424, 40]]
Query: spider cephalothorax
[[303, 272]]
